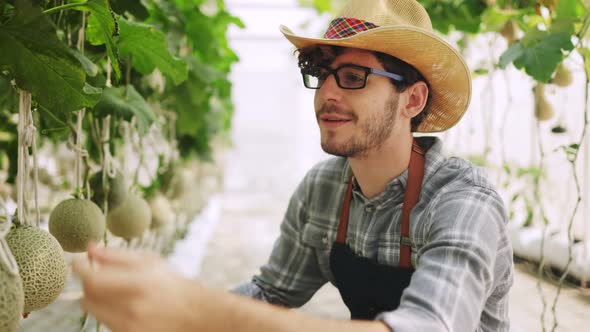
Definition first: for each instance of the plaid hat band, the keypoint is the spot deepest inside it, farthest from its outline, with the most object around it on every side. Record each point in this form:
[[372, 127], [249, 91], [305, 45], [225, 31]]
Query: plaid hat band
[[345, 27]]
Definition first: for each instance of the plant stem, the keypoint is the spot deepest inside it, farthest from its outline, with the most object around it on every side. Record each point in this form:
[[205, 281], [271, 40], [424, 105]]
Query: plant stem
[[573, 162], [64, 7]]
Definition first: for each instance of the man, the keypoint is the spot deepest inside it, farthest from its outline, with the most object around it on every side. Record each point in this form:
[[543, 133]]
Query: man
[[412, 240]]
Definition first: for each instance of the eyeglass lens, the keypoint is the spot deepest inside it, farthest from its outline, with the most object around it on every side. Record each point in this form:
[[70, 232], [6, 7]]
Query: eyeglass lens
[[347, 77]]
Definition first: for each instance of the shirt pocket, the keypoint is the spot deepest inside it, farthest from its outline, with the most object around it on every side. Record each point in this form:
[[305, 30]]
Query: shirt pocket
[[320, 239]]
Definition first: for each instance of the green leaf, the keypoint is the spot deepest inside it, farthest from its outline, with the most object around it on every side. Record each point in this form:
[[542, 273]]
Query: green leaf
[[41, 63], [570, 9], [512, 53], [133, 7], [89, 66], [480, 72], [538, 53], [147, 47], [532, 37], [586, 56], [102, 29], [461, 15], [322, 5], [494, 18], [125, 102], [564, 24], [8, 97]]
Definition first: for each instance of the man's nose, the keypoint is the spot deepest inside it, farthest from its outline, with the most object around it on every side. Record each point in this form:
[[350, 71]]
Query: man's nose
[[330, 89]]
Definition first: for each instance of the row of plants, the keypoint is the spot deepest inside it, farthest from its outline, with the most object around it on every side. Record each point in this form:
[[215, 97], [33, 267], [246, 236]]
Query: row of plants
[[108, 110]]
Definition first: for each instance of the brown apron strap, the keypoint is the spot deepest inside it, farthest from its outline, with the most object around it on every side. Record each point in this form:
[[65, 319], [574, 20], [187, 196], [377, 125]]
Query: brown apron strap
[[411, 195], [413, 187], [343, 225]]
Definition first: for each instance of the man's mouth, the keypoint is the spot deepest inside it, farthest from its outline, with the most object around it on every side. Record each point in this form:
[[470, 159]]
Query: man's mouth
[[334, 118], [333, 121]]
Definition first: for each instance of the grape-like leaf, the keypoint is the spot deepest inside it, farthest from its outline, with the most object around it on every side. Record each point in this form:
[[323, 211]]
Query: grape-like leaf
[[148, 50], [102, 29], [539, 53], [125, 102], [40, 63]]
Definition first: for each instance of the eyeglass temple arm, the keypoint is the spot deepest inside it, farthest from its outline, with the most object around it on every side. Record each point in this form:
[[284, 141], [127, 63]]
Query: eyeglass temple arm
[[396, 77]]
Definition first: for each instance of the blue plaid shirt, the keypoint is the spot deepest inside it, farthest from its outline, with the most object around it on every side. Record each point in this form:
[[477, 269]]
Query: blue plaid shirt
[[460, 248]]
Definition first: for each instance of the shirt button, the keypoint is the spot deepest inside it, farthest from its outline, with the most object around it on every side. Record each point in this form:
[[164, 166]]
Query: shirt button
[[369, 207]]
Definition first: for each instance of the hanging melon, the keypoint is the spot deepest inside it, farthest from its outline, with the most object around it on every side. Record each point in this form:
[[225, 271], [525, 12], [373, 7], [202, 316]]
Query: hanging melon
[[117, 190], [12, 299], [177, 181], [510, 32], [75, 223], [543, 110], [131, 218], [162, 212], [41, 264], [563, 76]]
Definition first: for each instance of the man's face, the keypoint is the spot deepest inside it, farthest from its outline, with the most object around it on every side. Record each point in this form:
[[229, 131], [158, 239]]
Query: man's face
[[354, 122]]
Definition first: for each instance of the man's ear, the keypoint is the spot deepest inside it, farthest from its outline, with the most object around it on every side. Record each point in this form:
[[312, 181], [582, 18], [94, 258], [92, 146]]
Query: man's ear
[[417, 96]]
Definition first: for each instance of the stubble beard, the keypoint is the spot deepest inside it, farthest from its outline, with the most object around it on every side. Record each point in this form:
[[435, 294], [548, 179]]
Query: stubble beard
[[373, 132]]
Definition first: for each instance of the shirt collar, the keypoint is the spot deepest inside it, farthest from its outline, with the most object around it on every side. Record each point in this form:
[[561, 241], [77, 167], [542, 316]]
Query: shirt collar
[[394, 190]]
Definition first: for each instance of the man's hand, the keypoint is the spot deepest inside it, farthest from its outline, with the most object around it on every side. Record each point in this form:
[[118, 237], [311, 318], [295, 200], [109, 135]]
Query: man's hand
[[131, 291]]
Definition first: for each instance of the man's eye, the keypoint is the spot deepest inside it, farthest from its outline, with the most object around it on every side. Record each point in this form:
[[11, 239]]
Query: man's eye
[[352, 77]]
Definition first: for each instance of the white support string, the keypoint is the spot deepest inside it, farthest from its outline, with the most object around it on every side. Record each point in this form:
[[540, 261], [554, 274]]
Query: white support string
[[108, 82], [79, 151], [27, 137], [108, 161], [6, 256]]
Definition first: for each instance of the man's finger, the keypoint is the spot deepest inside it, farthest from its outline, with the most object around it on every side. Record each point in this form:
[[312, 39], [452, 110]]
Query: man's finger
[[82, 267], [120, 257]]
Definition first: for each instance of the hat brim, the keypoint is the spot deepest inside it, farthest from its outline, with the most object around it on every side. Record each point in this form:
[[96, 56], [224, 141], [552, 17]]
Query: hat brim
[[441, 65]]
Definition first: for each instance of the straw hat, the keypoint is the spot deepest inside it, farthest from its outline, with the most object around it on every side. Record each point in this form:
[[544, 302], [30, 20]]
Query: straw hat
[[402, 28]]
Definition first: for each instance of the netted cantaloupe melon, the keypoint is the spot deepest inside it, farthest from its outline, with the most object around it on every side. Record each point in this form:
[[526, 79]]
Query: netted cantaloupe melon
[[131, 218], [162, 212], [117, 190], [41, 263], [12, 299], [75, 223]]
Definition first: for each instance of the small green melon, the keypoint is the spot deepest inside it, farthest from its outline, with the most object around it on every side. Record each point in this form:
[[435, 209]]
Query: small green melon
[[75, 223], [131, 218], [563, 76], [12, 300], [41, 263], [162, 212], [181, 184], [543, 109], [117, 190]]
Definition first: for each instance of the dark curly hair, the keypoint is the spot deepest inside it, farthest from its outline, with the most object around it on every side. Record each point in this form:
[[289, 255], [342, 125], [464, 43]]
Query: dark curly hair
[[324, 56]]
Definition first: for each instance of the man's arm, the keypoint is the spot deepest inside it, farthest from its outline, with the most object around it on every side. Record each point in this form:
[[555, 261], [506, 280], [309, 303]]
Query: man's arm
[[247, 315], [135, 292], [455, 272]]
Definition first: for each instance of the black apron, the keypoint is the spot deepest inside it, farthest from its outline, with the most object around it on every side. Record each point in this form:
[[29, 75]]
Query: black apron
[[368, 288]]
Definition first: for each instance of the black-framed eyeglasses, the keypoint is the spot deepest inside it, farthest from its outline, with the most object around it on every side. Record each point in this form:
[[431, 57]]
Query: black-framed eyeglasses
[[350, 77]]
